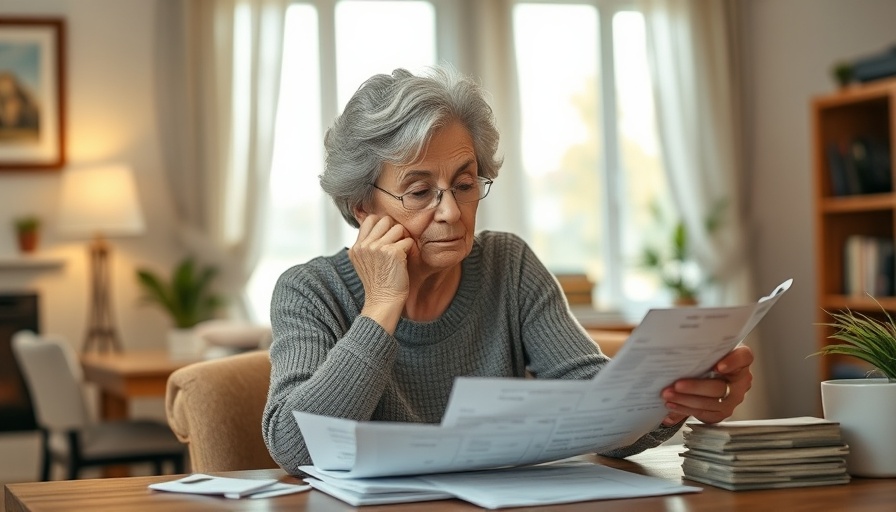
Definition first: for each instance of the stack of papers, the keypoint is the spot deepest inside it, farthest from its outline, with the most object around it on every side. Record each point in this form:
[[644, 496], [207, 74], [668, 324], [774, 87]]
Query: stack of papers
[[765, 454], [232, 488], [513, 487]]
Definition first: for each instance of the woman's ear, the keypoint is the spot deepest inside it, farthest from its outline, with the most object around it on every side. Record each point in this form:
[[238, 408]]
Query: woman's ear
[[360, 213]]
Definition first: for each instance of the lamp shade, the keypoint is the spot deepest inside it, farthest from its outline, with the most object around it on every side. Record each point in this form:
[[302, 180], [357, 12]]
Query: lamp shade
[[100, 201]]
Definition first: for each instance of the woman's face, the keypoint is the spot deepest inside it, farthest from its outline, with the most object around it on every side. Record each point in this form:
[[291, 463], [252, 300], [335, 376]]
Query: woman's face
[[443, 235]]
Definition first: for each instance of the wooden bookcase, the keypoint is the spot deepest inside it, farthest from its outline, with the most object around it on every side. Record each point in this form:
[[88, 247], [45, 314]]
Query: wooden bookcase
[[838, 120]]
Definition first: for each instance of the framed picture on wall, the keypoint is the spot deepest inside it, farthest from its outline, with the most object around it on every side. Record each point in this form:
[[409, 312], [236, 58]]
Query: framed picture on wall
[[32, 102]]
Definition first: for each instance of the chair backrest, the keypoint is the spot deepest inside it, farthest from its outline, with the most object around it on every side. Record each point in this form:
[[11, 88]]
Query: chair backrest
[[53, 376], [215, 407]]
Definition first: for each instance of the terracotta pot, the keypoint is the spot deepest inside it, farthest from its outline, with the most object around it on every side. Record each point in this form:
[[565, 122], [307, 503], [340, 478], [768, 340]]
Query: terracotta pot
[[28, 241]]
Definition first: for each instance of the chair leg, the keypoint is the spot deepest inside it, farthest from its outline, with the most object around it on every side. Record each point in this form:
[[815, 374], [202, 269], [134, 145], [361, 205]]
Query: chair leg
[[45, 460], [157, 467], [72, 469], [74, 454], [178, 464]]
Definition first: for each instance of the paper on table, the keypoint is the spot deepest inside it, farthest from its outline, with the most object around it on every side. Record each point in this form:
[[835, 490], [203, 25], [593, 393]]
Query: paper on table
[[358, 499], [233, 488], [493, 423], [374, 491], [531, 485], [552, 484]]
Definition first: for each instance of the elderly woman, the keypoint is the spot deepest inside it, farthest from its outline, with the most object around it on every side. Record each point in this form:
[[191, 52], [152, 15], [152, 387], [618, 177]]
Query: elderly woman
[[381, 330]]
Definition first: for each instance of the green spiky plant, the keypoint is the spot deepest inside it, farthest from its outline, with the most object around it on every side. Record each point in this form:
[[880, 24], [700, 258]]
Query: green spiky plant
[[865, 338], [187, 296]]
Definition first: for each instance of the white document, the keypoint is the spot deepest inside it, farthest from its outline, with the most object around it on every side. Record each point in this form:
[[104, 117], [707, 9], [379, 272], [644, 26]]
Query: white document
[[499, 422], [565, 482], [233, 488]]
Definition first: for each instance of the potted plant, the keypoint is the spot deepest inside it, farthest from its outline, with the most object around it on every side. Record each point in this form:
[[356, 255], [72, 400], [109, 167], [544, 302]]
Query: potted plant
[[865, 408], [27, 232], [669, 255], [187, 296], [842, 73]]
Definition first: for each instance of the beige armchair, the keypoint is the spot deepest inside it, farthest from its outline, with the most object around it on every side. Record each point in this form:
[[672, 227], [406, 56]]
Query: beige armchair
[[215, 407]]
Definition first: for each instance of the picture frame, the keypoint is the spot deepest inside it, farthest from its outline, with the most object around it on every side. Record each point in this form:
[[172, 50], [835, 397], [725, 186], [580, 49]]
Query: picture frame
[[32, 94]]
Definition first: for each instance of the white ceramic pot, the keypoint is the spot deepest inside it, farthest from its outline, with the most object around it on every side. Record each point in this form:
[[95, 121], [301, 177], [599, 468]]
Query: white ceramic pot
[[866, 411], [184, 344]]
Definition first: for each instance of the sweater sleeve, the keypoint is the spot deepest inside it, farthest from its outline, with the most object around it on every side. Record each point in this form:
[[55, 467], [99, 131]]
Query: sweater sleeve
[[558, 346], [324, 360]]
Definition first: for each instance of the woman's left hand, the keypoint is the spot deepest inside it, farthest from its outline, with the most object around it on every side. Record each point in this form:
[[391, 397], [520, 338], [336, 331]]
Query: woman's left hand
[[712, 399]]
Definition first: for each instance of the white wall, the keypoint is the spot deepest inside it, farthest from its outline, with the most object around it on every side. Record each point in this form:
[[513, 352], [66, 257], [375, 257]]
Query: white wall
[[110, 104], [111, 118], [791, 45]]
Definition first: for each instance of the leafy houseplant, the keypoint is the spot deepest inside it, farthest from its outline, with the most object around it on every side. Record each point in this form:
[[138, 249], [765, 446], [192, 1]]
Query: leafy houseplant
[[672, 260], [865, 408], [187, 296]]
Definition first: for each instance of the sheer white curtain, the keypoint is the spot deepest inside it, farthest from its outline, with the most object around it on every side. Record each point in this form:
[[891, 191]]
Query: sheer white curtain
[[485, 50], [692, 44], [219, 75]]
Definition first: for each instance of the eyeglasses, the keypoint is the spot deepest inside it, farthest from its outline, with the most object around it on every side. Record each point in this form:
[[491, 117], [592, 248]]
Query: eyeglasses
[[430, 197]]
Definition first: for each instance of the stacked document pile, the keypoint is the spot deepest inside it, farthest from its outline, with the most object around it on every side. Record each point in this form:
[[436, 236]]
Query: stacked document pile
[[765, 454], [559, 482]]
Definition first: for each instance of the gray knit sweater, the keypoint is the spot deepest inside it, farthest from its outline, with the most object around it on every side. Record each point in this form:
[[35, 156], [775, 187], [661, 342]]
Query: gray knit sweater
[[508, 316]]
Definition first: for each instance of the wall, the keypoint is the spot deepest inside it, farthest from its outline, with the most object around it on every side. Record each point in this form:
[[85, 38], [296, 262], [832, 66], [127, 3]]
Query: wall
[[790, 46], [111, 118]]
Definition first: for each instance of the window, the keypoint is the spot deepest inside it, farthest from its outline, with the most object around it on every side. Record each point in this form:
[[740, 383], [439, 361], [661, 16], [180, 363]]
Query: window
[[365, 37], [589, 147], [590, 155]]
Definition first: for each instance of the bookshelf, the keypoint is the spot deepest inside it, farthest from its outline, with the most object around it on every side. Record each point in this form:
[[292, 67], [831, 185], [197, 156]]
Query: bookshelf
[[854, 131]]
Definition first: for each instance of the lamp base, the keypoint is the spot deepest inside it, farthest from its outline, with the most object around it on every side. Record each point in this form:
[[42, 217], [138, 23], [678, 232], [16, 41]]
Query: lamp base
[[101, 334]]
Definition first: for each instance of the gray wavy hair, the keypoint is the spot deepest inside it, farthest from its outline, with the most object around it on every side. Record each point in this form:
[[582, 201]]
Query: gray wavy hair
[[390, 119]]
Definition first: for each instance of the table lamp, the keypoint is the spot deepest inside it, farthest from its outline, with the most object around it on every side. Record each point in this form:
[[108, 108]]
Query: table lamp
[[99, 202]]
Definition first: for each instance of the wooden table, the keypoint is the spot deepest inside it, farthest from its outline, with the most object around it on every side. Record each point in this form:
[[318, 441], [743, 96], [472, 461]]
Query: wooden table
[[123, 376], [609, 341], [132, 495]]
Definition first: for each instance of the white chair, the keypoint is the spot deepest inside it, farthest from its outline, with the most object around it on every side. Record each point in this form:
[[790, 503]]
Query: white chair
[[53, 377]]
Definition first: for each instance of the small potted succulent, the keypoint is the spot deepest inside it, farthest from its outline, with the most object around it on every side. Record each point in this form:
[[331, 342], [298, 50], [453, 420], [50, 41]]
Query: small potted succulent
[[865, 408], [27, 232]]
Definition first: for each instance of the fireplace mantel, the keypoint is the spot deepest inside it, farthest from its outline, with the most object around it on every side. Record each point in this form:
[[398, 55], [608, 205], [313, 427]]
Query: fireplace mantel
[[29, 262]]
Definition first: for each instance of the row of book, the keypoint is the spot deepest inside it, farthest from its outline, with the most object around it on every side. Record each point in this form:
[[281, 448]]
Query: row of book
[[765, 454], [869, 266], [861, 166]]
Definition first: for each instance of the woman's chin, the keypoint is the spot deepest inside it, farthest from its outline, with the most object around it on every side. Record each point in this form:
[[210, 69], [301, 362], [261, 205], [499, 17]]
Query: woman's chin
[[443, 259]]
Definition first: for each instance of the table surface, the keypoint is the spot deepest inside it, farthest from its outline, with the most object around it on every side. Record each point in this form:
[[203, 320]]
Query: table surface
[[131, 494], [122, 376], [130, 374]]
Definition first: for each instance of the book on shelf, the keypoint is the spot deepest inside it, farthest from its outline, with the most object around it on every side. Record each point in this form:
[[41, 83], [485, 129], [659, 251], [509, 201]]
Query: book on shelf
[[762, 454], [869, 266], [859, 166]]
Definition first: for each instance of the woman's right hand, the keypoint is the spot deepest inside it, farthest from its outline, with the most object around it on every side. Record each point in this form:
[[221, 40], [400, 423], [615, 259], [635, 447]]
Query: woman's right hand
[[380, 256]]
